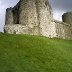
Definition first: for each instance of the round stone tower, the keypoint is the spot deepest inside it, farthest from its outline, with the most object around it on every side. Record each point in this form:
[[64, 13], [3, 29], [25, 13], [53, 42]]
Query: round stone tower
[[9, 16], [67, 17], [28, 13]]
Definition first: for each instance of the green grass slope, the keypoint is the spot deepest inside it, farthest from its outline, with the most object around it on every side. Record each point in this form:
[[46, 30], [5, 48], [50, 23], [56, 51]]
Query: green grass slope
[[24, 53]]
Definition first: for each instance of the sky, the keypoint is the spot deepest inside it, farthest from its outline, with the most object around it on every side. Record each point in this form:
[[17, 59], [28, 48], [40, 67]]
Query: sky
[[59, 7]]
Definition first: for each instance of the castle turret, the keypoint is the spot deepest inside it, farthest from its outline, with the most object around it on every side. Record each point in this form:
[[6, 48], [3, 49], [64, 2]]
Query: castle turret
[[9, 16], [67, 17]]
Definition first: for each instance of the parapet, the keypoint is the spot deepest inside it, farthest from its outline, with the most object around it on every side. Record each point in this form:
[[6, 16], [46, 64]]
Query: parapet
[[67, 17]]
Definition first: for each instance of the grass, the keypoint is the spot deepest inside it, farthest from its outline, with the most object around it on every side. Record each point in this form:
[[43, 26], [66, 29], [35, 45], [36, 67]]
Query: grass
[[25, 53]]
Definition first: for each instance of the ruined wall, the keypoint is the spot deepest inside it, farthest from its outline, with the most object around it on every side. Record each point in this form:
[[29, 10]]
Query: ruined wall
[[9, 16], [34, 17], [63, 30], [36, 13], [21, 29], [68, 31], [16, 13], [44, 16], [33, 13], [67, 17], [12, 15], [28, 13], [59, 29]]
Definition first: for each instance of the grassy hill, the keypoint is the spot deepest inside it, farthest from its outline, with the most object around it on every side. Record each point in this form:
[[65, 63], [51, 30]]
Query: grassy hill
[[25, 53]]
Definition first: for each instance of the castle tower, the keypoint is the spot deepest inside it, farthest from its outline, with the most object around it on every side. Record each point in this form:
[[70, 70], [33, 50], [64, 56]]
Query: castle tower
[[9, 16], [67, 17]]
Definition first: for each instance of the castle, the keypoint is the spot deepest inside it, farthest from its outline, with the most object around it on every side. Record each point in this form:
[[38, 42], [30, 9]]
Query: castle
[[34, 17]]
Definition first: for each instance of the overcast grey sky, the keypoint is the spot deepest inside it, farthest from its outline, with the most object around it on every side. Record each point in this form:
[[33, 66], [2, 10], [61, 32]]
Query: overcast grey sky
[[59, 7]]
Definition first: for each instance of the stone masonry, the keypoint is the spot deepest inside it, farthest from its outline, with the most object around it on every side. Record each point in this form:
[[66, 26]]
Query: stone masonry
[[34, 17]]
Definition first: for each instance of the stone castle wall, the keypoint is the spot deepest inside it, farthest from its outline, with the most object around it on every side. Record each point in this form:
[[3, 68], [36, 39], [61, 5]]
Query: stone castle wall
[[44, 16], [28, 14], [21, 29], [63, 30], [16, 13], [35, 17], [12, 15], [33, 13]]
